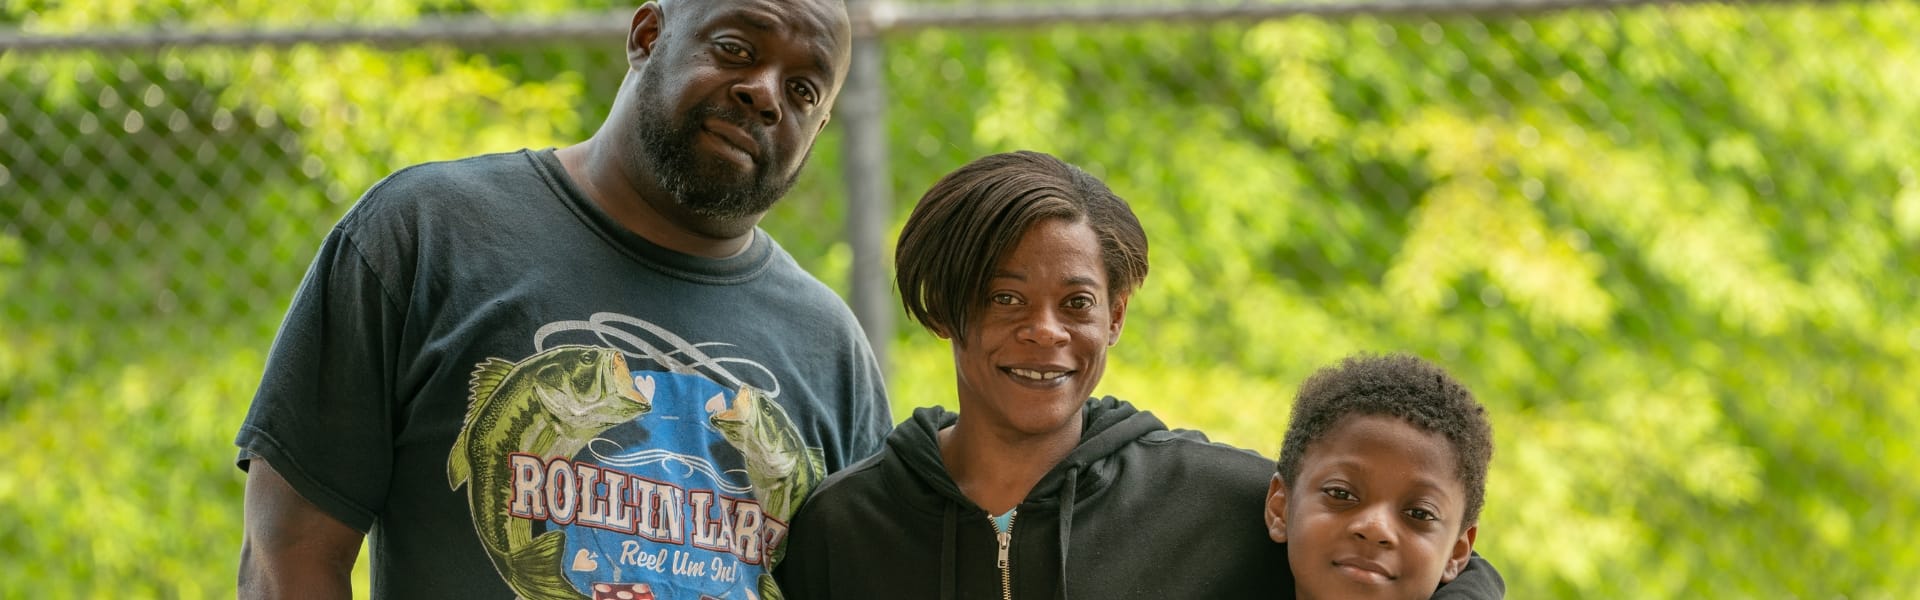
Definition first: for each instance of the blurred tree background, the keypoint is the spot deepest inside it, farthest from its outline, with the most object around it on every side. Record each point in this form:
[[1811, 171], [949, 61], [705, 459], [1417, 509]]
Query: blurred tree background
[[1675, 248]]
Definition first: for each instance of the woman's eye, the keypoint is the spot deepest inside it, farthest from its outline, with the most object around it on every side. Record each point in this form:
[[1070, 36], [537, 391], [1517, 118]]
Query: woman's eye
[[1080, 303], [1004, 299]]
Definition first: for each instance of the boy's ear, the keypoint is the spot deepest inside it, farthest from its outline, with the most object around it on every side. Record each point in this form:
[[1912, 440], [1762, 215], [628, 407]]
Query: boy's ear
[[1462, 550], [1276, 513]]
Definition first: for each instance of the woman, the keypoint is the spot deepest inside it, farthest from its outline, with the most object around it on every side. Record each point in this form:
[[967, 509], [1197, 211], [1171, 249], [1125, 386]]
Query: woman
[[1025, 264]]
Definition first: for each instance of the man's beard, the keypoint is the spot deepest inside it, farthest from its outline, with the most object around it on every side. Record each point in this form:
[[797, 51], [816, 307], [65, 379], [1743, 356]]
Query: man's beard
[[707, 186]]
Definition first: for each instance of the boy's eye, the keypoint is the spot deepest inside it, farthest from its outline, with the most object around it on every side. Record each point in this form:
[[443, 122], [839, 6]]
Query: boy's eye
[[1338, 493], [1422, 514]]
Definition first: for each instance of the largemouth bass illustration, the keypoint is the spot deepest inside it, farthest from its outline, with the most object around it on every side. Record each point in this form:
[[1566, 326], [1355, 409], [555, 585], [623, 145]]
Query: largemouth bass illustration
[[780, 466], [549, 405]]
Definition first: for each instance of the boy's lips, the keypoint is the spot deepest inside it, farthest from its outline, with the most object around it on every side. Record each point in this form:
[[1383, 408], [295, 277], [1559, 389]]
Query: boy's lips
[[1364, 570]]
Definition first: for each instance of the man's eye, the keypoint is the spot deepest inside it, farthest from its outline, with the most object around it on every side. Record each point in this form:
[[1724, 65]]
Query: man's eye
[[734, 50], [805, 92], [1338, 493]]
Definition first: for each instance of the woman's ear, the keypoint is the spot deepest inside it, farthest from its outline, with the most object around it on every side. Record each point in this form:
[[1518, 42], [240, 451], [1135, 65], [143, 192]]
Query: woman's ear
[[1462, 551], [1119, 318], [1276, 512]]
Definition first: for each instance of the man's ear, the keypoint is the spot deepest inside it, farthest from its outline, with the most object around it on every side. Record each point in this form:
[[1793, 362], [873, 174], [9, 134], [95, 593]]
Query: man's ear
[[1462, 550], [1119, 318], [1276, 512], [644, 32]]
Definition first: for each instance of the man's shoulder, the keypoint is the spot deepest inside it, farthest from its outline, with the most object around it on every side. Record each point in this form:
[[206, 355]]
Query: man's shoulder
[[461, 177], [428, 187], [812, 298]]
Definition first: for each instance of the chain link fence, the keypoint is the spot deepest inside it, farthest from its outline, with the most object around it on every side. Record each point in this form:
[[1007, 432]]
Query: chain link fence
[[1674, 246]]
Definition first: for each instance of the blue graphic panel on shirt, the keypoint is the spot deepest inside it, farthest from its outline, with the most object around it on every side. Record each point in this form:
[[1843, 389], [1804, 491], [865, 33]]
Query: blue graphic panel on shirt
[[589, 474]]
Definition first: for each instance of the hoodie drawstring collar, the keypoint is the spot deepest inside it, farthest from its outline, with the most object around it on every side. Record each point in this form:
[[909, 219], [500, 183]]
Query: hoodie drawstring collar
[[947, 554], [1067, 495]]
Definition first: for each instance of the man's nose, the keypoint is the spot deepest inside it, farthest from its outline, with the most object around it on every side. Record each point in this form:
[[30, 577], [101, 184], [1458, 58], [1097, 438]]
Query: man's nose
[[760, 94]]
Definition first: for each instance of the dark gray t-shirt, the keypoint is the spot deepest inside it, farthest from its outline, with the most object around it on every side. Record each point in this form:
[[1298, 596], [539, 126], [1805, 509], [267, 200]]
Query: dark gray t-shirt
[[515, 395]]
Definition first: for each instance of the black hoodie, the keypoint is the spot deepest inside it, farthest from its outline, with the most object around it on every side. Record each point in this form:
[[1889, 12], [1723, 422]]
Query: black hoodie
[[1135, 511]]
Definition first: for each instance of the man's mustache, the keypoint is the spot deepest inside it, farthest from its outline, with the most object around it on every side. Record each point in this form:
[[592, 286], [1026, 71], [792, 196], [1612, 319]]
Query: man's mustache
[[737, 117]]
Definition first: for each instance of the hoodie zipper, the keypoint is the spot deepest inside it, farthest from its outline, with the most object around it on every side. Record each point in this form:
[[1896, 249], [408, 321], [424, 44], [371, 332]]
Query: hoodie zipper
[[1006, 541]]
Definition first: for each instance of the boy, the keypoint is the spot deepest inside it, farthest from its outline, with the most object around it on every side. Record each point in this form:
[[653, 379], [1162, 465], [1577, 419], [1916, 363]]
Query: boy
[[1380, 480]]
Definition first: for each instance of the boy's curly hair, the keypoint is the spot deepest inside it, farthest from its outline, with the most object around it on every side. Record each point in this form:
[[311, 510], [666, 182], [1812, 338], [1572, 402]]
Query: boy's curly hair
[[1394, 385]]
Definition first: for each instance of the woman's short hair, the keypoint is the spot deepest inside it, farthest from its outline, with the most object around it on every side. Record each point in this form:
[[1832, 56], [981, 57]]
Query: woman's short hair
[[973, 216]]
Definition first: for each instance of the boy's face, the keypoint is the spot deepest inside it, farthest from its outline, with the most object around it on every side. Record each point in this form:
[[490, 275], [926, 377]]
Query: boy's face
[[1375, 513]]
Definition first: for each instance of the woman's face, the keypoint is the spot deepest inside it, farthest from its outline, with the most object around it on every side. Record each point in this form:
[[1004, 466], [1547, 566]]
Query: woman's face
[[1038, 347]]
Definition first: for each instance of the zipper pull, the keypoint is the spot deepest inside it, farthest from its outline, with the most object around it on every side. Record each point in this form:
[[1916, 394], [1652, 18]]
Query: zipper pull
[[1006, 539]]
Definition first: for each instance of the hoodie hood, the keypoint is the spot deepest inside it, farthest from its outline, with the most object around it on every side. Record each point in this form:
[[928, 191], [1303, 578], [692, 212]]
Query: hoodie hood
[[1107, 424]]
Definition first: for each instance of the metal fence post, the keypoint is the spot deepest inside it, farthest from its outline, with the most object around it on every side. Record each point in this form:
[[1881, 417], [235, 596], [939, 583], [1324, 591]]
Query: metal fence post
[[860, 112]]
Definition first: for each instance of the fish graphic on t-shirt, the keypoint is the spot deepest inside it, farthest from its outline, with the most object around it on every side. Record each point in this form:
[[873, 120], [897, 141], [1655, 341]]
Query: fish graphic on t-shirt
[[548, 405], [781, 467]]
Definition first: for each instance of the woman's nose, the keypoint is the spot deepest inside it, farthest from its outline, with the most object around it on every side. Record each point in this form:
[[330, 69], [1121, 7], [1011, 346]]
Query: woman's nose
[[1044, 327]]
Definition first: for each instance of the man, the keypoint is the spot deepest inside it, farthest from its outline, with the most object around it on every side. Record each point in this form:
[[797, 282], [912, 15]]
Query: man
[[574, 373]]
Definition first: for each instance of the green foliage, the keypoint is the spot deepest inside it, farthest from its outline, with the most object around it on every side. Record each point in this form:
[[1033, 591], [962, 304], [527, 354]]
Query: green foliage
[[1666, 246], [1672, 248]]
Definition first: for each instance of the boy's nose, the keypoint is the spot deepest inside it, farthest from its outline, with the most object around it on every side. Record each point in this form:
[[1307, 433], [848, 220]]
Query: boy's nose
[[1374, 526]]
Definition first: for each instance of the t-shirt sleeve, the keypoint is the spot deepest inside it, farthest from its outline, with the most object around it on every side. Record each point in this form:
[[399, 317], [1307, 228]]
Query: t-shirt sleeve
[[1478, 581], [322, 414], [872, 416]]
